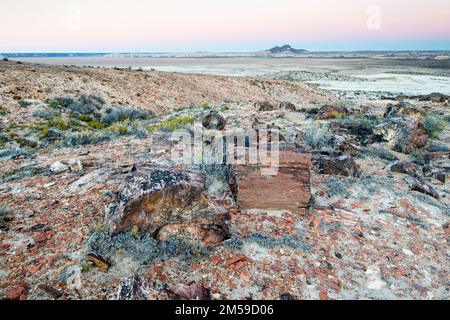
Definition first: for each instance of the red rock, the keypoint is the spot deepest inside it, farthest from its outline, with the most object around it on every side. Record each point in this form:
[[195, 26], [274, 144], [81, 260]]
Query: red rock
[[16, 292], [344, 165], [40, 237], [237, 262], [215, 260], [324, 295], [330, 112], [38, 266], [158, 269], [192, 292]]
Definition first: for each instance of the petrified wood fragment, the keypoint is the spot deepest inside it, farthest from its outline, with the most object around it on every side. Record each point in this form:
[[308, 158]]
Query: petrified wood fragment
[[287, 189], [153, 199]]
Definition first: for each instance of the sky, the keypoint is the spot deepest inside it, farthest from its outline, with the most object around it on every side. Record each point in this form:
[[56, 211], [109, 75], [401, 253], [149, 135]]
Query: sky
[[222, 26]]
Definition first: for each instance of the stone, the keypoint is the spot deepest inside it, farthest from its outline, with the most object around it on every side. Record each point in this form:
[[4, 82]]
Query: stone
[[191, 292], [405, 167], [344, 165], [288, 106], [135, 288], [404, 109], [264, 106], [330, 112], [15, 293], [98, 262], [374, 278], [287, 189], [214, 121], [54, 293], [58, 167], [75, 165], [405, 134], [152, 198], [435, 97], [421, 186], [40, 237]]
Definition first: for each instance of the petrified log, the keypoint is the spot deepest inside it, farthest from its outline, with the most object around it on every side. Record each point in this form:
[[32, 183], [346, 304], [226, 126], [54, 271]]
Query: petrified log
[[287, 189], [152, 199]]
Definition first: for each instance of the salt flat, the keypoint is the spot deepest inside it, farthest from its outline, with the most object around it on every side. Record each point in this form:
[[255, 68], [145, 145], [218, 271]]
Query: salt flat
[[384, 75]]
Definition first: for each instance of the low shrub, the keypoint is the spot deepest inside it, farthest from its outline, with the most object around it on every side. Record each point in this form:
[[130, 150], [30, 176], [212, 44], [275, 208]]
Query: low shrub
[[316, 137], [46, 113], [172, 124], [85, 137], [434, 126], [121, 114]]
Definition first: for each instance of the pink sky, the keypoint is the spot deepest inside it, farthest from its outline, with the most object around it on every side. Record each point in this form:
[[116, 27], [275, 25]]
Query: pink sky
[[233, 25]]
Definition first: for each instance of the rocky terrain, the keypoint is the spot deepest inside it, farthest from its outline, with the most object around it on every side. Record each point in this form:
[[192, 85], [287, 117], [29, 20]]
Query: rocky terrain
[[98, 202]]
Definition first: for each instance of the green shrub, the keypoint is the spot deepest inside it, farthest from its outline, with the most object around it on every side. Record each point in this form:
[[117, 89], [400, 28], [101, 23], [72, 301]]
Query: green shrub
[[85, 137], [119, 129], [95, 124], [84, 117], [58, 123], [172, 124], [434, 126], [123, 113]]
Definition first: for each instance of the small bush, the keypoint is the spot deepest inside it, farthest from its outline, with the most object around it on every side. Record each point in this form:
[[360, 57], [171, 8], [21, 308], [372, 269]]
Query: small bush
[[361, 119], [119, 129], [95, 124], [58, 123], [46, 113], [316, 137], [434, 126], [83, 104], [85, 137], [85, 118], [172, 124], [122, 114]]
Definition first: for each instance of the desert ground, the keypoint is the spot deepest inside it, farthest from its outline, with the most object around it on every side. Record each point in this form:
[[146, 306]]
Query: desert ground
[[94, 204]]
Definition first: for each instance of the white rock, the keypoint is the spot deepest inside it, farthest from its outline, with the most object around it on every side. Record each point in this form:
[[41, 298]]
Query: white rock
[[374, 280], [407, 252], [58, 167], [75, 165]]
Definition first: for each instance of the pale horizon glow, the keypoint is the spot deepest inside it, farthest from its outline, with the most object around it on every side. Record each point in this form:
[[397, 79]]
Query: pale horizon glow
[[225, 26]]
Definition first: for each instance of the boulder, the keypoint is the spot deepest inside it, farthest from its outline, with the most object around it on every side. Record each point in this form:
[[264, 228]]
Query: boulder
[[58, 167], [213, 121], [405, 134], [344, 165], [264, 106], [152, 199], [288, 106], [405, 167], [330, 112], [404, 109], [421, 186], [435, 97]]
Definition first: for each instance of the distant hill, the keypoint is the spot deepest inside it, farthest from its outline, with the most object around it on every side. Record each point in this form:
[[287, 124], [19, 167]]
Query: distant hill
[[283, 51], [286, 49]]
